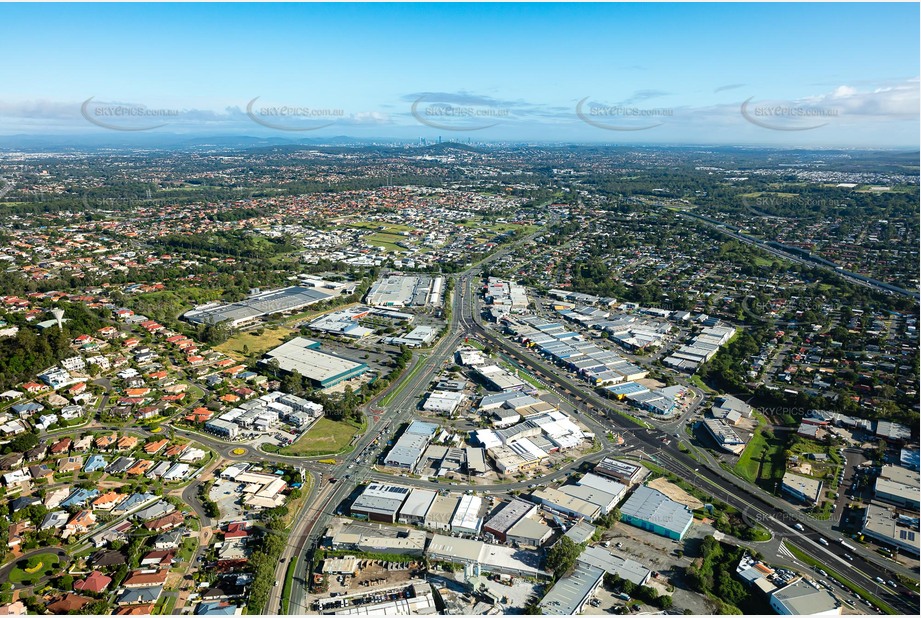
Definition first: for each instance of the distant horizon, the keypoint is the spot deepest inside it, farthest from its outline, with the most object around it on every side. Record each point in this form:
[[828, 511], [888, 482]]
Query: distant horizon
[[178, 141], [785, 75]]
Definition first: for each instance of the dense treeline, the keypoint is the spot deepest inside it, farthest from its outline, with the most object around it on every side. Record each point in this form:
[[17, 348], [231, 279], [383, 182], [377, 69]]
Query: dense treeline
[[235, 243], [29, 351], [712, 575]]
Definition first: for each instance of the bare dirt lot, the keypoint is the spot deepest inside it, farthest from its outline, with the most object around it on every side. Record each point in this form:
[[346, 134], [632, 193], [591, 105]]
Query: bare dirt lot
[[374, 574]]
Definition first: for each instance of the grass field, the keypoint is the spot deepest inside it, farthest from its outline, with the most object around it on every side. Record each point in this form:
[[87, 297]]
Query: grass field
[[377, 225], [48, 562], [256, 344], [325, 437], [762, 460], [387, 241]]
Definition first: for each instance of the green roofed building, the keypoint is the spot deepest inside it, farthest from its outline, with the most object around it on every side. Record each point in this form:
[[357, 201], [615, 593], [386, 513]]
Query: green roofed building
[[652, 510]]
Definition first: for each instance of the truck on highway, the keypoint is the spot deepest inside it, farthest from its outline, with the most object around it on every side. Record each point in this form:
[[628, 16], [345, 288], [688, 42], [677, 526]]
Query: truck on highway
[[847, 545]]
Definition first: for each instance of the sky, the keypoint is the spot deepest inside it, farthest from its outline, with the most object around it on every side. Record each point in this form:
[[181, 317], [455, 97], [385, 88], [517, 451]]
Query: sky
[[822, 75]]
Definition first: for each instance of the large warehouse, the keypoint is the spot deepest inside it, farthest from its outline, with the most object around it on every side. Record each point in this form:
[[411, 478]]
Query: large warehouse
[[406, 291], [259, 304], [322, 369], [652, 510]]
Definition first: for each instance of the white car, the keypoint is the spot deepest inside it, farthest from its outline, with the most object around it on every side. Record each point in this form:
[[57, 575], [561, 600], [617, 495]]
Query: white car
[[823, 542]]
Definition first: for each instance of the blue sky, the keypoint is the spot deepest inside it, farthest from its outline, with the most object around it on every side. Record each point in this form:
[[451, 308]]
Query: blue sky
[[813, 74]]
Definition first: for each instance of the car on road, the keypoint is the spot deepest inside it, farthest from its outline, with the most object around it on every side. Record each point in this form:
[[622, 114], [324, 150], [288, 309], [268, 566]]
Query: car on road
[[849, 557], [823, 542], [880, 580], [892, 583]]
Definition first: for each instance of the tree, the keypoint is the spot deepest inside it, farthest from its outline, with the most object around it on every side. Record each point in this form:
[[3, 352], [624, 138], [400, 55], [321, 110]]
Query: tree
[[562, 556], [23, 442]]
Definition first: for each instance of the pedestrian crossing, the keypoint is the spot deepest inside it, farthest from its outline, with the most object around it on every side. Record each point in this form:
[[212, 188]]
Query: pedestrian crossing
[[783, 551]]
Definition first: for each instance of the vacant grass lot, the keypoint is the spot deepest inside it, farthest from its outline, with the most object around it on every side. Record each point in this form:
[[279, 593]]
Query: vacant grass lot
[[762, 460], [387, 241], [256, 344], [377, 225], [326, 436]]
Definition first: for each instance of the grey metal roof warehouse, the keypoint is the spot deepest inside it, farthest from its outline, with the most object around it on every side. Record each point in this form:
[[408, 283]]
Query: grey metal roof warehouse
[[623, 567], [418, 503], [381, 499], [257, 305], [569, 594], [300, 354], [509, 515]]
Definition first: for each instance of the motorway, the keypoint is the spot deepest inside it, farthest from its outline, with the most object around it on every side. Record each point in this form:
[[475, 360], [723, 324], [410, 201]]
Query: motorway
[[852, 277]]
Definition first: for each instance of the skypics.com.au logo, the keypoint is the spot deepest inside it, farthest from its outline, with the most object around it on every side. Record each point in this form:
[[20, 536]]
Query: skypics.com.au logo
[[126, 117], [292, 117], [457, 112], [786, 116], [621, 117]]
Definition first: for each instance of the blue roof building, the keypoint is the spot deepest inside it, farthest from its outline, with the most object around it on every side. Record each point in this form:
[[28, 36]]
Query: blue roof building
[[95, 462]]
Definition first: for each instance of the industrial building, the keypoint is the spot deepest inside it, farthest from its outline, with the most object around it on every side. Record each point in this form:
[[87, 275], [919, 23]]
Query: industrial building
[[622, 471], [498, 379], [322, 369], [349, 535], [408, 449], [529, 532], [598, 366], [700, 349], [406, 291], [343, 323], [569, 595], [892, 529], [614, 488], [650, 509], [507, 516], [801, 488], [261, 304], [899, 486], [804, 598], [380, 502], [416, 506], [443, 402], [223, 429], [504, 297], [624, 568], [724, 436], [485, 557], [555, 500], [467, 518], [439, 515]]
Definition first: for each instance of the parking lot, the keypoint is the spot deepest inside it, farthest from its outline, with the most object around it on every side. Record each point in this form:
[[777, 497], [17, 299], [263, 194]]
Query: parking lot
[[225, 495]]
